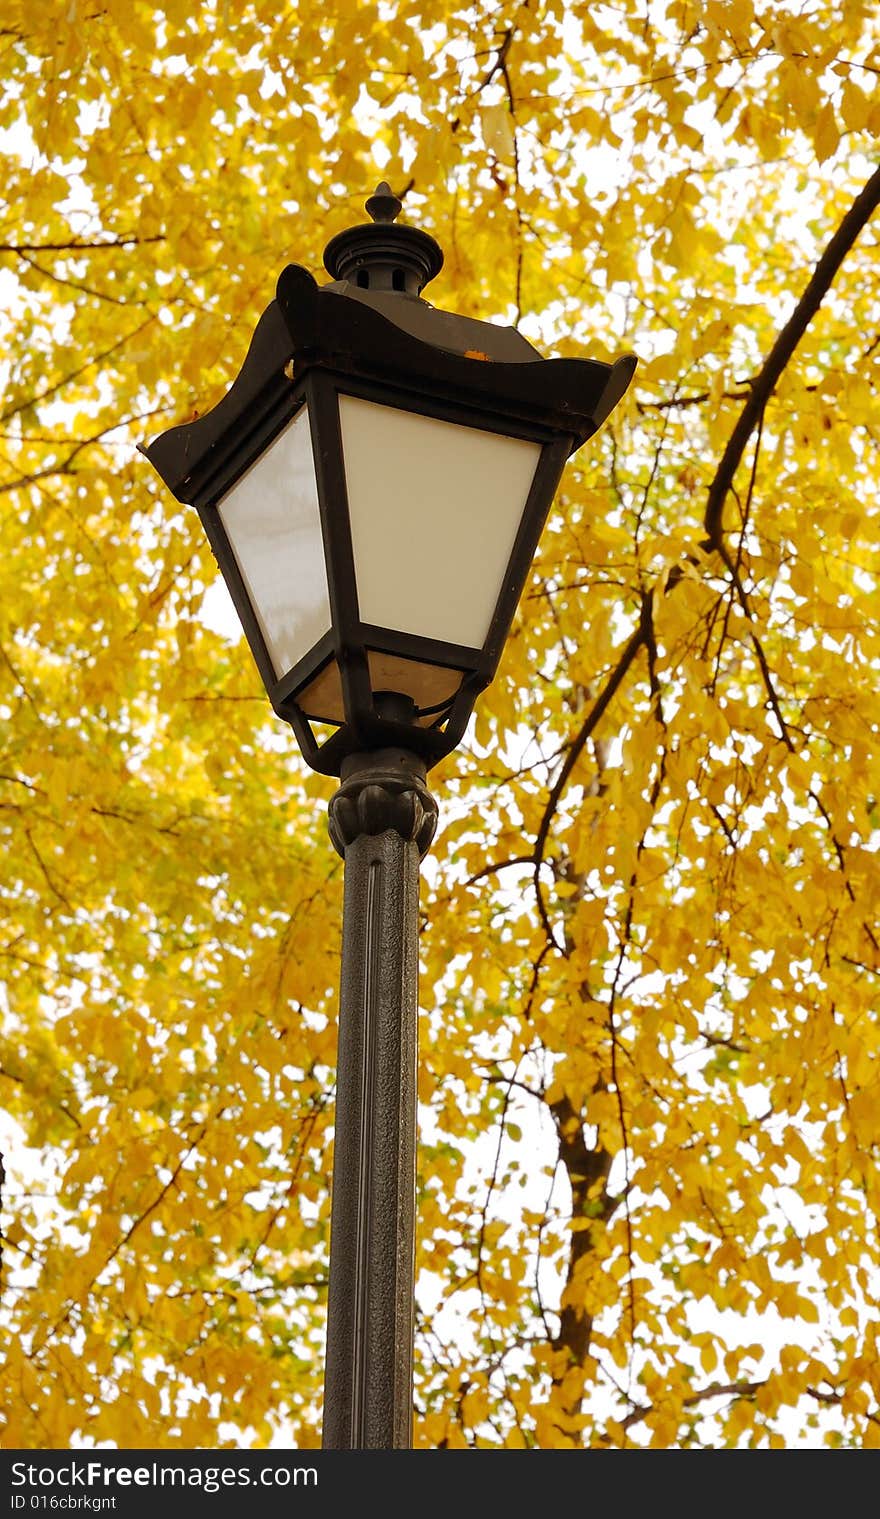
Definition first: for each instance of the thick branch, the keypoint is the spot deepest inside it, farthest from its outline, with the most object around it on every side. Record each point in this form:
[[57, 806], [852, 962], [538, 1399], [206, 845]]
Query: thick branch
[[762, 388], [750, 417], [715, 1390], [587, 1170]]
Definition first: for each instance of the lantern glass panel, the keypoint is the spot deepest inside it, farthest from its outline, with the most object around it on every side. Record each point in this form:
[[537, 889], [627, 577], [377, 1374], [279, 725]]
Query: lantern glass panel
[[435, 509], [428, 686], [273, 523]]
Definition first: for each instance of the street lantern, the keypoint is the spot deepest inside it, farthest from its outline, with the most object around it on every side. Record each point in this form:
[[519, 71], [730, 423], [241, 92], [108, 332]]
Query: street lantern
[[374, 485]]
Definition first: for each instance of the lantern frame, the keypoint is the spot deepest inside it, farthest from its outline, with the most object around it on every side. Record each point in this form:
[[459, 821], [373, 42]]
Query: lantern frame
[[315, 344]]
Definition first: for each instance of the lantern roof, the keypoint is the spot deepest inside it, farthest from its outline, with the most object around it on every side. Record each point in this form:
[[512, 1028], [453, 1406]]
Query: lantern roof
[[390, 337]]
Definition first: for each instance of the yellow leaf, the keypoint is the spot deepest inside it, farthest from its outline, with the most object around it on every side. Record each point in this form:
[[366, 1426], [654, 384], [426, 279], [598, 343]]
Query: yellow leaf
[[826, 135]]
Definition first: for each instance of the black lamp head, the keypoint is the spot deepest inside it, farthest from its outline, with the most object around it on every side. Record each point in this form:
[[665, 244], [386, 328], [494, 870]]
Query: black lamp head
[[338, 379]]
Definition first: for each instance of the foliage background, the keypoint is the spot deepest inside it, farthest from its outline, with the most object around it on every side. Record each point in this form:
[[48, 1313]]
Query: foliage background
[[649, 1047]]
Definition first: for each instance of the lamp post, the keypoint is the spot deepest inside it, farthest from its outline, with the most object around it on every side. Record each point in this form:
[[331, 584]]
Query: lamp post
[[373, 486]]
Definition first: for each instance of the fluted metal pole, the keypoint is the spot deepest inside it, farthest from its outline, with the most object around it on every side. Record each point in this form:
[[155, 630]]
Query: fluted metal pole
[[382, 820]]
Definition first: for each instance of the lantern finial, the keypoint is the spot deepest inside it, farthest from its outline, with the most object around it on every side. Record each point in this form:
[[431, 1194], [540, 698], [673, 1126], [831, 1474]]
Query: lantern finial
[[383, 205], [381, 255]]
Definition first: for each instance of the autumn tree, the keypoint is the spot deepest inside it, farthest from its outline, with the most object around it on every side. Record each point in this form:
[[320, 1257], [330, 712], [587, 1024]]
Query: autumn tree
[[650, 1055]]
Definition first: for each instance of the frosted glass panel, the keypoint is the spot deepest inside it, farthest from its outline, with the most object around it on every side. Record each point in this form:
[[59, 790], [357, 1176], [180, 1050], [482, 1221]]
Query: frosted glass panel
[[273, 523], [435, 509], [428, 685]]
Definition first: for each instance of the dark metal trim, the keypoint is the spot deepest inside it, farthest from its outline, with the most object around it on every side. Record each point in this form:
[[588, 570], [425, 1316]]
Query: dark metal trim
[[199, 460], [228, 566], [313, 753], [431, 651], [333, 502], [338, 553], [304, 670], [540, 498], [452, 409]]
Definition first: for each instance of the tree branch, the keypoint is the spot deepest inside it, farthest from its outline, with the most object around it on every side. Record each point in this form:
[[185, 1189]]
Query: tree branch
[[603, 700], [762, 388], [76, 245]]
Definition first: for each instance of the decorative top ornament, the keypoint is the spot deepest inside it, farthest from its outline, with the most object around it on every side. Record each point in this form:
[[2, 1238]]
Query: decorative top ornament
[[380, 255], [383, 205]]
